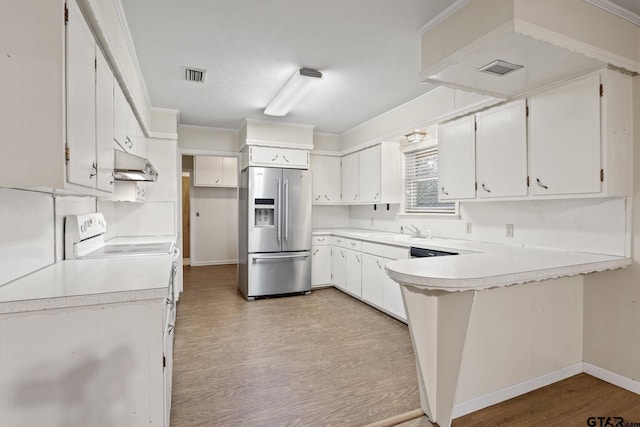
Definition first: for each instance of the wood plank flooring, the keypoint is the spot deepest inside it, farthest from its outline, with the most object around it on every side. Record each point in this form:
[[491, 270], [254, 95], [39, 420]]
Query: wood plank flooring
[[318, 360], [329, 360]]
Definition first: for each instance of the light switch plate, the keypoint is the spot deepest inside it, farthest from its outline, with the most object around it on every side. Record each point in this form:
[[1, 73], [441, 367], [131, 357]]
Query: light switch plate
[[509, 230]]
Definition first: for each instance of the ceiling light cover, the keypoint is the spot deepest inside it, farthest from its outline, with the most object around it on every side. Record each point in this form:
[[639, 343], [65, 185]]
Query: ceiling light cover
[[293, 92], [416, 136]]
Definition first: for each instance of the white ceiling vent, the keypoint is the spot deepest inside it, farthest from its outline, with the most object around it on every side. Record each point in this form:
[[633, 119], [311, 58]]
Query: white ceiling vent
[[499, 68], [194, 75]]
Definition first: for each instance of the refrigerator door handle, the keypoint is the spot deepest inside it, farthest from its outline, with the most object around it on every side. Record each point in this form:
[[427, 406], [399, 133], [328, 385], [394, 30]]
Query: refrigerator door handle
[[286, 209], [278, 258], [279, 210]]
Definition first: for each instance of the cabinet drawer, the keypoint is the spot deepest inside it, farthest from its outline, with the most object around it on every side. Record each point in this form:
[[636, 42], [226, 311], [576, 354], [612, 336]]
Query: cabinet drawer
[[386, 251], [320, 240], [343, 242]]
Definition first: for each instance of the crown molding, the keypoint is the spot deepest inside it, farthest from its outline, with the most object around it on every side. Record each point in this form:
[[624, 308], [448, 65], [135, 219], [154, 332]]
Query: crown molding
[[616, 10], [442, 16]]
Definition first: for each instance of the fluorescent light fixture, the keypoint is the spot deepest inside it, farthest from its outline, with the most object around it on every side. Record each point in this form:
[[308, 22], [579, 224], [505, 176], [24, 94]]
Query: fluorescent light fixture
[[416, 136], [293, 92]]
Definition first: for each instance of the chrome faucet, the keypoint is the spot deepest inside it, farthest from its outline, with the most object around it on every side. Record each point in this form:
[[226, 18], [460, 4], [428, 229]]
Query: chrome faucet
[[415, 230]]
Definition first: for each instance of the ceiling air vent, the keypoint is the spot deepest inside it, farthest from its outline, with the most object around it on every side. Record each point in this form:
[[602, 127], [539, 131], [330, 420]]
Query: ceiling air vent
[[499, 68], [194, 75]]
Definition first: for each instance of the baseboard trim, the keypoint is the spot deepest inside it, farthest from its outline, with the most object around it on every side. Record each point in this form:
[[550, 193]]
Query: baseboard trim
[[222, 262], [469, 406], [612, 378], [398, 419]]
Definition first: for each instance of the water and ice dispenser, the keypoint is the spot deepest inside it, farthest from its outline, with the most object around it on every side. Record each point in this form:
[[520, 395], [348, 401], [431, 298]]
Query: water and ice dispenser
[[264, 212]]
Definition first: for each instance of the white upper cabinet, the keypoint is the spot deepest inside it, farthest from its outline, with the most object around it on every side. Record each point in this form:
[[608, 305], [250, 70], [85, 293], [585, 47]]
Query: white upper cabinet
[[81, 101], [292, 158], [349, 185], [565, 139], [104, 123], [372, 175], [215, 171], [501, 151], [326, 179], [456, 159]]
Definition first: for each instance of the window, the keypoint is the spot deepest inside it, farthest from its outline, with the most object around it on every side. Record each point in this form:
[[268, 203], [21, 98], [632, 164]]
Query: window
[[421, 183]]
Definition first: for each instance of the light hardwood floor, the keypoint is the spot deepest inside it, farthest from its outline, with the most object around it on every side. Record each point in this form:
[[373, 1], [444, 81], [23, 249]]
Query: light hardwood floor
[[329, 360], [318, 360]]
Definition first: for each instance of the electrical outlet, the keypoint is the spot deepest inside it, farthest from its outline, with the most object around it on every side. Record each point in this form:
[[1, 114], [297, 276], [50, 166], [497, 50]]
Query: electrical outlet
[[468, 228], [509, 230]]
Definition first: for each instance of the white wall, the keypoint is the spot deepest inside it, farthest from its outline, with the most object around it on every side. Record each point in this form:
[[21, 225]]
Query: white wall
[[208, 139], [139, 219], [215, 231], [612, 298], [330, 217]]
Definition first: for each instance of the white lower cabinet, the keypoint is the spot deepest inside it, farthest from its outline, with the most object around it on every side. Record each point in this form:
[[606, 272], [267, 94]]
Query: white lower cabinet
[[339, 267], [98, 365], [392, 297], [354, 272], [372, 276], [320, 265]]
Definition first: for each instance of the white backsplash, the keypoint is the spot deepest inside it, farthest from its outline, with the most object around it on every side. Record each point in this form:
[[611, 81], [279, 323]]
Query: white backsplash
[[330, 216], [27, 234], [139, 219], [586, 225]]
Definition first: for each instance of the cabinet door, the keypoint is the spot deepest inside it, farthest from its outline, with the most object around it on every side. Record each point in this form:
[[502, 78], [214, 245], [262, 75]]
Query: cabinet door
[[339, 267], [457, 159], [349, 184], [121, 118], [230, 171], [392, 296], [565, 139], [372, 278], [501, 151], [81, 100], [168, 338], [281, 157], [354, 272], [370, 174], [320, 265], [326, 179], [207, 170], [104, 123]]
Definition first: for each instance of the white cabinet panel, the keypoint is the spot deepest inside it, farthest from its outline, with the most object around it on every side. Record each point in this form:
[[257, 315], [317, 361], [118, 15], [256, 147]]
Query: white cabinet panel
[[326, 179], [104, 123], [501, 151], [339, 267], [456, 159], [354, 272], [372, 278], [122, 120], [349, 185], [215, 171], [230, 171], [565, 139], [81, 100], [392, 297], [370, 174], [278, 157], [320, 265]]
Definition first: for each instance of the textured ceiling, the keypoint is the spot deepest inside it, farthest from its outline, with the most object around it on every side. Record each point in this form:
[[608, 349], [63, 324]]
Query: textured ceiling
[[368, 51]]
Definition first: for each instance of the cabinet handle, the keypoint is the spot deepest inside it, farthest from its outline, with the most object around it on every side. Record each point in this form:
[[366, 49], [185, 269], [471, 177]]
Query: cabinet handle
[[128, 142], [540, 184], [338, 240], [486, 189], [325, 196], [316, 251], [342, 253], [379, 266], [217, 181], [444, 192], [376, 196], [321, 240], [355, 197], [169, 301], [285, 158], [318, 198], [275, 158], [353, 243], [95, 170], [170, 329], [357, 258]]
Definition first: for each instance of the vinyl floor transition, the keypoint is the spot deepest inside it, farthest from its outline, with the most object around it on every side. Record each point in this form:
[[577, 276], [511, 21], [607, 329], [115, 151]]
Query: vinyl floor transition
[[329, 360]]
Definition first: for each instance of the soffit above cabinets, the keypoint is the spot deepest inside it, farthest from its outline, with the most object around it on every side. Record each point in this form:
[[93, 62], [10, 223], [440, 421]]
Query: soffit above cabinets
[[454, 49]]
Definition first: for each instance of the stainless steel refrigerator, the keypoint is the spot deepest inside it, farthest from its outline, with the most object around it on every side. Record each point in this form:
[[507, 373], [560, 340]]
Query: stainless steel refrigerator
[[275, 232]]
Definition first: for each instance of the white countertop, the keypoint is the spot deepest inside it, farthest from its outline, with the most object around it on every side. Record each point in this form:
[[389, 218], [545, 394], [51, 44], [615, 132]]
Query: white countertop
[[480, 265], [80, 282]]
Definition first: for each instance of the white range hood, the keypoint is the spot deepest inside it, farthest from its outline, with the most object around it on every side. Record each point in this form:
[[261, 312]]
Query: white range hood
[[549, 40]]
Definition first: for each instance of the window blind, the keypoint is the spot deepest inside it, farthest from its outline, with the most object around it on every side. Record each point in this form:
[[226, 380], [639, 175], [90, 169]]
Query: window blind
[[421, 183]]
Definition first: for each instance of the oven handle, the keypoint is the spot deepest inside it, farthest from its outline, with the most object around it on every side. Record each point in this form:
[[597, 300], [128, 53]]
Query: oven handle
[[176, 253]]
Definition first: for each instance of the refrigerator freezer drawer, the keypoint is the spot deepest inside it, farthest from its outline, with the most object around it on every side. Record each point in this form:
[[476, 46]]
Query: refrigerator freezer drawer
[[279, 273]]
